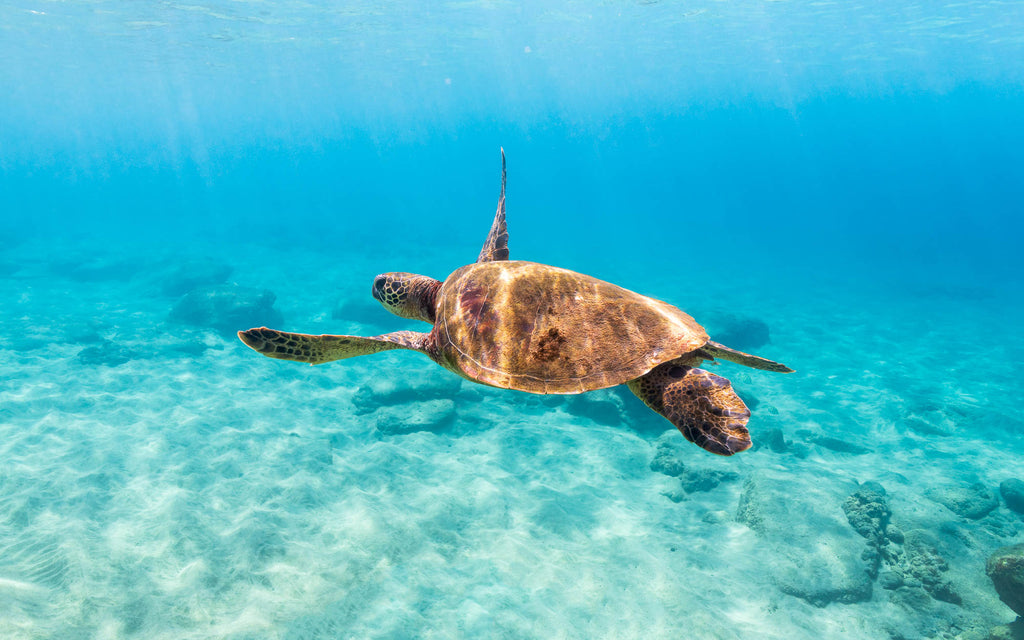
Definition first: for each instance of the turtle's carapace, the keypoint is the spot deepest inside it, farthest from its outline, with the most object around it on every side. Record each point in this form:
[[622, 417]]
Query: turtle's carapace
[[537, 328]]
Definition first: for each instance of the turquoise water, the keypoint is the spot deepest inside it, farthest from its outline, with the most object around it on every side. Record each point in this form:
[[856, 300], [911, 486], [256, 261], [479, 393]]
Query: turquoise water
[[835, 186]]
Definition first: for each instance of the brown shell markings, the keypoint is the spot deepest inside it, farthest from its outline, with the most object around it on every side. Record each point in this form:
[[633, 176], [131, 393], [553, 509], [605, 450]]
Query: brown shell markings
[[533, 327]]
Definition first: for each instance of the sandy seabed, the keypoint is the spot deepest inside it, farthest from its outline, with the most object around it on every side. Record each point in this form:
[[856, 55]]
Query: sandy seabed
[[160, 480]]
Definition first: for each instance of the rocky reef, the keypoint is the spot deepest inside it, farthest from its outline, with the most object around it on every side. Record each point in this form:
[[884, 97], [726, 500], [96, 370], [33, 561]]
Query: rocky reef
[[972, 501], [693, 478], [745, 333], [912, 563], [409, 400], [226, 308], [817, 557], [1012, 490], [1006, 568]]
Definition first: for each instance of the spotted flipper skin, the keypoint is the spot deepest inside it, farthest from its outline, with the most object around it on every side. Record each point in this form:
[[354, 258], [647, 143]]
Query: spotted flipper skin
[[302, 347], [700, 404], [496, 246]]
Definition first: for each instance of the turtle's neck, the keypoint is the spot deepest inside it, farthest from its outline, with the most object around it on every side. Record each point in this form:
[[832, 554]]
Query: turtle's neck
[[425, 291]]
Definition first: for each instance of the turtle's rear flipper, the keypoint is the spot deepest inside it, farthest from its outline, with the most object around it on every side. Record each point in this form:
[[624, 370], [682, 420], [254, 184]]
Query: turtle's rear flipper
[[325, 348], [700, 404], [723, 352]]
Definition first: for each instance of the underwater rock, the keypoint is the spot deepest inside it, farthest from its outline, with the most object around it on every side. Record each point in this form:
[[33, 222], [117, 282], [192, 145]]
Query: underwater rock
[[430, 415], [93, 268], [839, 446], [702, 480], [741, 332], [668, 460], [406, 385], [182, 278], [1012, 491], [227, 308], [774, 440], [600, 406], [365, 310], [1012, 631], [86, 335], [922, 563], [893, 534], [867, 511], [913, 597], [635, 415], [923, 427], [814, 553], [973, 502], [890, 580], [106, 354], [675, 494], [1006, 569], [747, 397]]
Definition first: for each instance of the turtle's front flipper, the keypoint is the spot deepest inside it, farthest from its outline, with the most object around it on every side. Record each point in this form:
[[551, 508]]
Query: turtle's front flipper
[[700, 404], [716, 350], [319, 349], [496, 246]]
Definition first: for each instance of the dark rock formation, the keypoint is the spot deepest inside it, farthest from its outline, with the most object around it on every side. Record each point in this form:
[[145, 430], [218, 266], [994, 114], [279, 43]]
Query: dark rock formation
[[365, 310], [692, 478], [890, 580], [182, 278], [701, 480], [974, 502], [839, 446], [227, 308], [406, 385], [666, 460], [1006, 569], [107, 353], [922, 562], [1012, 631], [1012, 491], [600, 406], [914, 567], [430, 415], [867, 509], [811, 551], [94, 268], [740, 332], [774, 440]]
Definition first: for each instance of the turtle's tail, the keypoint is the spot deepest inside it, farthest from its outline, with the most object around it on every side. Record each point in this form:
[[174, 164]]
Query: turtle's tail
[[723, 352]]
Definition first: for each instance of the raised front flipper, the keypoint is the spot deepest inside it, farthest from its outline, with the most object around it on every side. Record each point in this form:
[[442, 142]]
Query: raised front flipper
[[496, 246], [716, 350], [700, 404], [302, 347]]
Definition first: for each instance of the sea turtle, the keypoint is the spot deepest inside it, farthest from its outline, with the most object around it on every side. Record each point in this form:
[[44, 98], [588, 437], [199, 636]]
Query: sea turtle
[[541, 329]]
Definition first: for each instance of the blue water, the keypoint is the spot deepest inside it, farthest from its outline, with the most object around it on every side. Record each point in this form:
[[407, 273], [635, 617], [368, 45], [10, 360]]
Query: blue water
[[835, 186]]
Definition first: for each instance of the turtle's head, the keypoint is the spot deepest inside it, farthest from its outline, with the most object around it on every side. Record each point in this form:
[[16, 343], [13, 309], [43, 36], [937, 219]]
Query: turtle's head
[[407, 295]]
